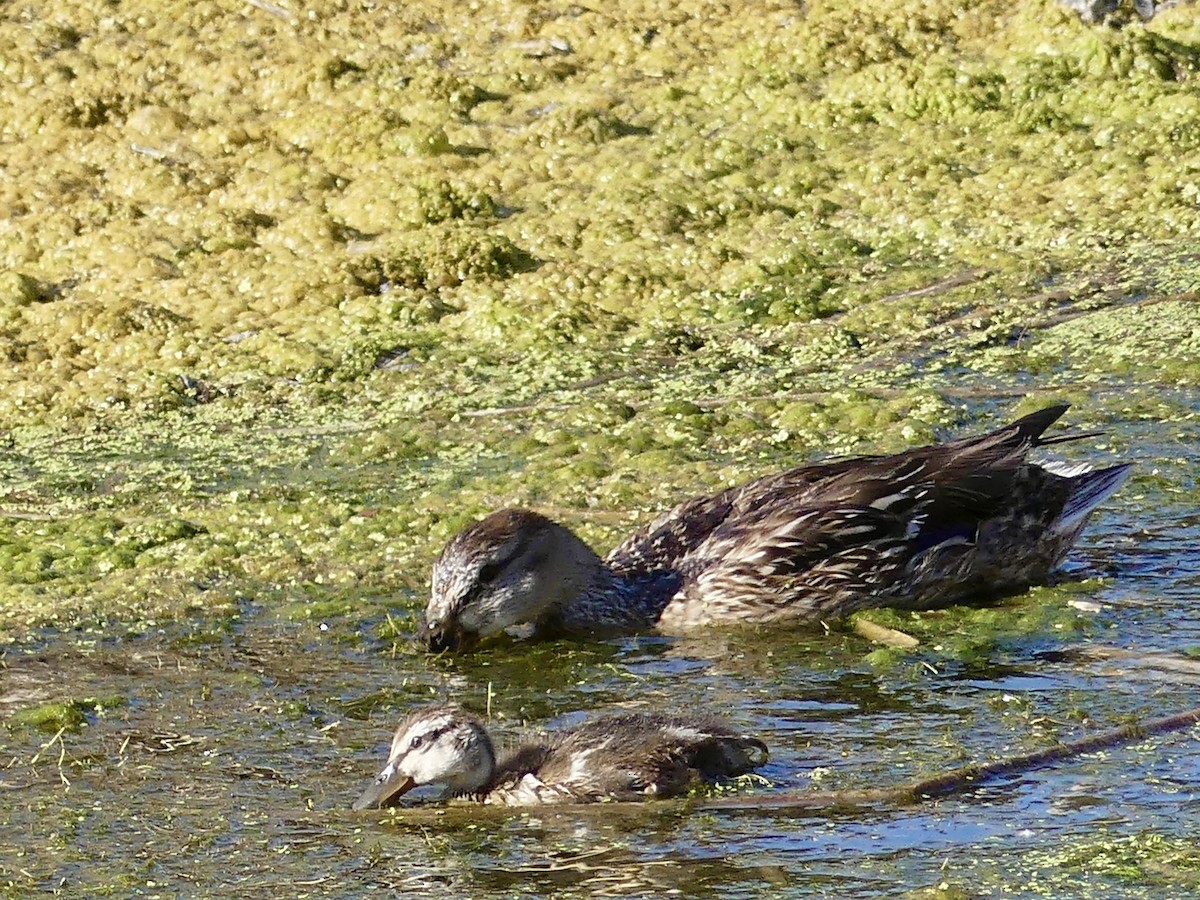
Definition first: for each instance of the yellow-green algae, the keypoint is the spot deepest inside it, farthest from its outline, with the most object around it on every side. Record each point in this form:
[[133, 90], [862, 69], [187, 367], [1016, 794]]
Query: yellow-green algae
[[229, 194], [291, 294], [56, 717], [1140, 865]]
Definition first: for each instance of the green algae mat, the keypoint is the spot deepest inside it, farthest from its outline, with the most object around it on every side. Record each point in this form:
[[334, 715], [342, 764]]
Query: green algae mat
[[291, 292]]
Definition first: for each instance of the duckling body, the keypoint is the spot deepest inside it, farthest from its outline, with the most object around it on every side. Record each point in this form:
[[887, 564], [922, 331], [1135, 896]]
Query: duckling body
[[631, 756], [971, 518]]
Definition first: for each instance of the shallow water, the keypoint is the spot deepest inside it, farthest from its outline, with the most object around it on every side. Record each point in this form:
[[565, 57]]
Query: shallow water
[[231, 767]]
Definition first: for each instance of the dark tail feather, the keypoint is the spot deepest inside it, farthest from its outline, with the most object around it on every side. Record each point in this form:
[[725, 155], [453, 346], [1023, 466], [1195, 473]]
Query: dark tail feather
[[1030, 427], [1063, 438], [1088, 491]]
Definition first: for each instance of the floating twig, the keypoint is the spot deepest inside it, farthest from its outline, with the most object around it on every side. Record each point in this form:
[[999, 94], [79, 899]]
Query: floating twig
[[273, 9], [62, 755], [881, 634]]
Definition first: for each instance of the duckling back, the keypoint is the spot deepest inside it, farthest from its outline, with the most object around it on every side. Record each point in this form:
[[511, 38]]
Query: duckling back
[[631, 756]]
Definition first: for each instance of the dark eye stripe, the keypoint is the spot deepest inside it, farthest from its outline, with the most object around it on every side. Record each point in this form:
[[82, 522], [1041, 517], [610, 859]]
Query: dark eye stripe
[[427, 737], [492, 568], [483, 578]]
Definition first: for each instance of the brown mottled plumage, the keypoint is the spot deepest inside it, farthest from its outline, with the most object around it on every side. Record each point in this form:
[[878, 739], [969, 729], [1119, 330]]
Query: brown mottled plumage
[[624, 757], [970, 518]]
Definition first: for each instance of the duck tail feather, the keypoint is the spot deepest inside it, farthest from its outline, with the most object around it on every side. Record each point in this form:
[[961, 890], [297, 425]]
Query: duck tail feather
[[1089, 490], [1030, 427], [1064, 438]]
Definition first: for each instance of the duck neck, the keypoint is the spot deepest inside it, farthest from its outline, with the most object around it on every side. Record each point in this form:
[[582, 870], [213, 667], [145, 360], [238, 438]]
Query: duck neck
[[613, 601]]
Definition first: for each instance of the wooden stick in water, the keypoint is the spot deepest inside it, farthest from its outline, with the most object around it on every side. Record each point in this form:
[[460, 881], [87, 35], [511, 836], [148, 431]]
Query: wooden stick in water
[[962, 779]]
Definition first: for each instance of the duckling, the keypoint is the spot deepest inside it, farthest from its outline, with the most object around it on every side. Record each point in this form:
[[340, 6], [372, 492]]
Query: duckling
[[968, 519], [632, 756]]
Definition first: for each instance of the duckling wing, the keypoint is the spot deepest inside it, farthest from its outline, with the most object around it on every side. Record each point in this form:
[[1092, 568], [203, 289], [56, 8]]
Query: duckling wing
[[518, 779], [635, 756]]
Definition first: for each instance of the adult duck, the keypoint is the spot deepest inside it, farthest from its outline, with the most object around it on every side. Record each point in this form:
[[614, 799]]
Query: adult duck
[[968, 519], [623, 757]]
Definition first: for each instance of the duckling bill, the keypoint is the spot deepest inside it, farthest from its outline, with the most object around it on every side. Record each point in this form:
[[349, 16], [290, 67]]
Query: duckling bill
[[624, 757], [968, 519]]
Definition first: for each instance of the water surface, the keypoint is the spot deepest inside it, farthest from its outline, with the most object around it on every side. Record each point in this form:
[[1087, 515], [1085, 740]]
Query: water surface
[[227, 754]]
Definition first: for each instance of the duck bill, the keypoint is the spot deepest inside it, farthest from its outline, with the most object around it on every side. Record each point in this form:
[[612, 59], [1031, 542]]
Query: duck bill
[[386, 790], [448, 636]]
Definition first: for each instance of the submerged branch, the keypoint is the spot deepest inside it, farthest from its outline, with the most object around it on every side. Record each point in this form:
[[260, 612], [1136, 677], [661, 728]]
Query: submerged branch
[[1167, 665], [956, 780]]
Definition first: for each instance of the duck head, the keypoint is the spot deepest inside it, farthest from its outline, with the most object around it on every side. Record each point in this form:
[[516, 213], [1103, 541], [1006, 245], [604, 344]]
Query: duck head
[[436, 745], [511, 568]]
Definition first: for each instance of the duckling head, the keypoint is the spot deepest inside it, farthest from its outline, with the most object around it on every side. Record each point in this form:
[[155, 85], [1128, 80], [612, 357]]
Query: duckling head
[[436, 745], [511, 568]]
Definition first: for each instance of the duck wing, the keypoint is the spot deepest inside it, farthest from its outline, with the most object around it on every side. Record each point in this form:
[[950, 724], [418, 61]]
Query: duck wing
[[921, 528], [799, 563], [679, 532], [967, 477]]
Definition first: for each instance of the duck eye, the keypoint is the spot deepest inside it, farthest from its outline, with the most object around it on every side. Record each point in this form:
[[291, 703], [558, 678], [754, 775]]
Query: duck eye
[[489, 571], [416, 742]]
